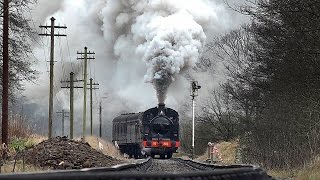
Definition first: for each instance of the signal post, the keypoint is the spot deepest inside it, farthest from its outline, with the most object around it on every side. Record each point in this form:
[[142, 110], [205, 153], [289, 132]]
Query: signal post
[[194, 92]]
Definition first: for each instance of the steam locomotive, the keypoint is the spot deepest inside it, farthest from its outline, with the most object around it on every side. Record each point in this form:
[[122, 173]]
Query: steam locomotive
[[149, 133]]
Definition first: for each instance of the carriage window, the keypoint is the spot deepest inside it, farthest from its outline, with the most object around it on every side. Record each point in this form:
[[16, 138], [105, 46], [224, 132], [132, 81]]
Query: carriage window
[[117, 129]]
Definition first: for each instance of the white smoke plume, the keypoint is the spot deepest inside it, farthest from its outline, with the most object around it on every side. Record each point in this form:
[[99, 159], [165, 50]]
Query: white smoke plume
[[168, 35], [173, 44]]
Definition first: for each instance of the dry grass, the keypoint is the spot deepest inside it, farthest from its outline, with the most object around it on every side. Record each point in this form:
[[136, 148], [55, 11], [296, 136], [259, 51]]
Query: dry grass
[[282, 174], [108, 148], [227, 151], [19, 167], [8, 168], [36, 138], [18, 128], [310, 172]]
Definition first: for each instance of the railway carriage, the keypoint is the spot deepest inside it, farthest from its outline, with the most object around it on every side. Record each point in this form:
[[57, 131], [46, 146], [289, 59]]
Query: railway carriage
[[152, 132]]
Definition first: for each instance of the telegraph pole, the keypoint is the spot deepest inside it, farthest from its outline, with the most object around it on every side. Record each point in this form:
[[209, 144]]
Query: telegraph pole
[[52, 35], [85, 58], [194, 92], [91, 88], [100, 117], [71, 105], [100, 120], [71, 87], [5, 73], [64, 114]]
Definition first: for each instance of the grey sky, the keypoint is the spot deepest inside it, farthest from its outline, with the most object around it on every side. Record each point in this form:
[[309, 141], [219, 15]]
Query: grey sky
[[121, 79]]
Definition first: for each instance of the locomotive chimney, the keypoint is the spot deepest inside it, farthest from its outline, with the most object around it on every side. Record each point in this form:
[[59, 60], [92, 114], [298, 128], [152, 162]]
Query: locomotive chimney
[[161, 108]]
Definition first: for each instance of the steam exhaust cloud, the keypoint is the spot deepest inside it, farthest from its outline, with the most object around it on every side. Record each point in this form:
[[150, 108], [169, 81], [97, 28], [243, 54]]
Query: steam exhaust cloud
[[168, 35]]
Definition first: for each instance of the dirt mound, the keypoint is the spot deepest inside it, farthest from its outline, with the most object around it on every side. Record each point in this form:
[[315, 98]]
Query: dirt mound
[[63, 153]]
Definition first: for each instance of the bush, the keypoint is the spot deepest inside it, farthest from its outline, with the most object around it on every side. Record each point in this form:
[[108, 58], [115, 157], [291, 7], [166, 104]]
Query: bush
[[19, 144]]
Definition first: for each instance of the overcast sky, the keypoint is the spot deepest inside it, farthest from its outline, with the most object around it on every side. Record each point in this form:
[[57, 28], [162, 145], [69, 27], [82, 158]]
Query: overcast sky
[[110, 29]]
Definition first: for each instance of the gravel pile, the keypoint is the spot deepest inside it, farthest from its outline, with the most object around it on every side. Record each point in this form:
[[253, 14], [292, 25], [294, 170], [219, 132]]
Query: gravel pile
[[63, 153]]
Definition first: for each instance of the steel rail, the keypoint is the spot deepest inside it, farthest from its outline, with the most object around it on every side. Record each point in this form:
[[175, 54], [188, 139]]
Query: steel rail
[[209, 166], [138, 171]]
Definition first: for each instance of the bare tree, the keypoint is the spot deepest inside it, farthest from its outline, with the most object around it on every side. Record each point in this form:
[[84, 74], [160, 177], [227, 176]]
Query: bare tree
[[272, 67], [219, 119]]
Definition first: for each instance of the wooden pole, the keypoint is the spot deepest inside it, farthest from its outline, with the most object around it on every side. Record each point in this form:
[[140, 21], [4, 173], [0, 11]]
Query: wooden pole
[[5, 75], [71, 105]]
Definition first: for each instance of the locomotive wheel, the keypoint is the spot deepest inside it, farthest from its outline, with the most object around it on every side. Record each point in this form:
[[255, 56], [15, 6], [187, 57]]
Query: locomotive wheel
[[152, 155], [162, 156], [169, 155]]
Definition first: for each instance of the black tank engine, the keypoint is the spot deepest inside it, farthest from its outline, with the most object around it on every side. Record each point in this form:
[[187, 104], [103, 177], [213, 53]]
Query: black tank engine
[[152, 132]]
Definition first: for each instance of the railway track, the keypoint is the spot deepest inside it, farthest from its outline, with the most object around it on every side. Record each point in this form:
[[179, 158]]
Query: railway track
[[153, 169], [170, 166]]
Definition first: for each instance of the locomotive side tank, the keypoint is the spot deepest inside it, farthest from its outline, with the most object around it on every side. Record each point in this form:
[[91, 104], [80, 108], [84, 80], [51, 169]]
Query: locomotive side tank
[[152, 132]]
